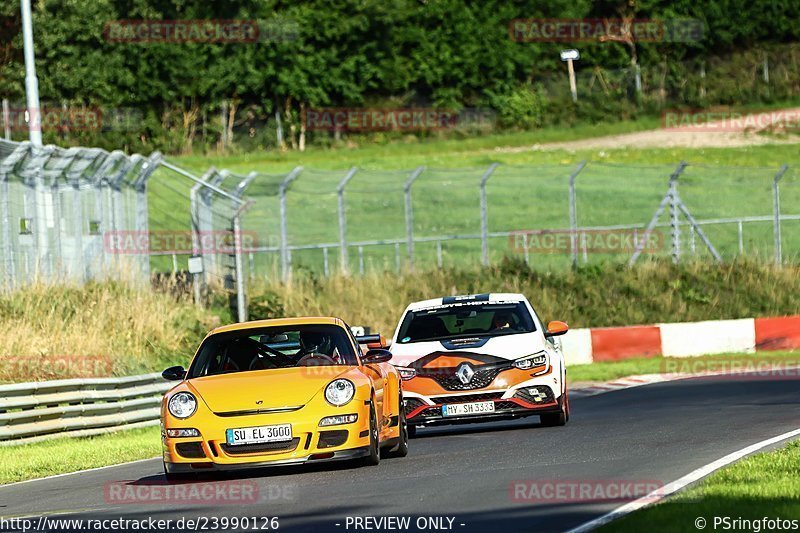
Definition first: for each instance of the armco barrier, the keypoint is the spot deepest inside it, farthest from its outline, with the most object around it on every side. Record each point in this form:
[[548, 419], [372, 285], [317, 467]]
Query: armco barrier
[[31, 412]]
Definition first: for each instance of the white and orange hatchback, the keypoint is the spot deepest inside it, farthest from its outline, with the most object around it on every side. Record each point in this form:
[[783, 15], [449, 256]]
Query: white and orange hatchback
[[479, 357]]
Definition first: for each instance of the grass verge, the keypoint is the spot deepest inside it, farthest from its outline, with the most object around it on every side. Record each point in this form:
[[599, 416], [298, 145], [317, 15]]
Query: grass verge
[[610, 370], [593, 296], [59, 456], [99, 329], [764, 485]]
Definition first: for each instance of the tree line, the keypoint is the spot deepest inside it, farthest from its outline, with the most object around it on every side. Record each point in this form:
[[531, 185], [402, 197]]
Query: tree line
[[195, 91]]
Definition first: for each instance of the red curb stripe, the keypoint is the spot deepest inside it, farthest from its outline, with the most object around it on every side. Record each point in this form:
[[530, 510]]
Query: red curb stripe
[[782, 333], [613, 344]]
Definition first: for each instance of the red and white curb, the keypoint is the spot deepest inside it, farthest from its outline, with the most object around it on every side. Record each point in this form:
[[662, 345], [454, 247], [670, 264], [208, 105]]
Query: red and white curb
[[683, 339]]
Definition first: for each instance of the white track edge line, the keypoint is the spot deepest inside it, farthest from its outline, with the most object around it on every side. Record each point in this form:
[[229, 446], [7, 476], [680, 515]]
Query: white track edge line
[[671, 488]]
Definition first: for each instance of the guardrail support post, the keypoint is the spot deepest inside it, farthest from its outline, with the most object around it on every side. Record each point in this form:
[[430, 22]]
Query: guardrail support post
[[284, 186], [776, 210], [485, 215], [343, 259], [410, 215], [573, 213]]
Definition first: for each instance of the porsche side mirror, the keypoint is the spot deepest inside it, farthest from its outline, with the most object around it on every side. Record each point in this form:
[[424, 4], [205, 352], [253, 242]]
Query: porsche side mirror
[[556, 328], [174, 373], [377, 355]]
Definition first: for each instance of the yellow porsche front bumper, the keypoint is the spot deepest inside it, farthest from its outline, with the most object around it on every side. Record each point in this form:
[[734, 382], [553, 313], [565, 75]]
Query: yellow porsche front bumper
[[310, 442]]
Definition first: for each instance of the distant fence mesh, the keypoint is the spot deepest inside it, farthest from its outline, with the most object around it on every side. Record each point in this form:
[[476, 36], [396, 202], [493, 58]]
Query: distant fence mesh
[[84, 213], [736, 204]]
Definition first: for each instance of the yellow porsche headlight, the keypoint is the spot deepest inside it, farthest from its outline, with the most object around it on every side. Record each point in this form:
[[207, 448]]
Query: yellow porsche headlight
[[339, 392], [182, 405]]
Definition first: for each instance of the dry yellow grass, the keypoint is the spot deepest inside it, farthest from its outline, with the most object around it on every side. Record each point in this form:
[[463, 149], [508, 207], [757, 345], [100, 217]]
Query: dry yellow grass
[[602, 295], [53, 332]]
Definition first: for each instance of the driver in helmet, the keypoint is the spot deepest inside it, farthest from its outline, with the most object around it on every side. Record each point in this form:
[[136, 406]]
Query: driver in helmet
[[315, 342]]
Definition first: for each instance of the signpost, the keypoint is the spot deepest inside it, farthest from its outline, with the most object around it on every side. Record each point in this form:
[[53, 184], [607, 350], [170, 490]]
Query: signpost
[[569, 56]]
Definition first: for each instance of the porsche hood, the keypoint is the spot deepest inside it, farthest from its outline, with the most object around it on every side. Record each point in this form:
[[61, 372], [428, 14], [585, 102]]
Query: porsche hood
[[265, 389]]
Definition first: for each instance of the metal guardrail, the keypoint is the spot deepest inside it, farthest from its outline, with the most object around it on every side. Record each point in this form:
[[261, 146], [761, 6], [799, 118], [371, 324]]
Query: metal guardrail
[[31, 412]]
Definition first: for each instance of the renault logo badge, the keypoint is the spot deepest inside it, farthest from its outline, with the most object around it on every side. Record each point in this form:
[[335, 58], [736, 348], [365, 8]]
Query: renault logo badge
[[465, 373]]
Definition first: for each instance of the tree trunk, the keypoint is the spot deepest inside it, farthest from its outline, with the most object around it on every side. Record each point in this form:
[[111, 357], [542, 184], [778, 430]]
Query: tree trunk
[[302, 142]]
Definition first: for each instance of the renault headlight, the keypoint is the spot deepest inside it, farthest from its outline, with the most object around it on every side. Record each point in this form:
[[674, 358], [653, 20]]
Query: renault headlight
[[182, 405], [405, 372], [339, 392], [531, 361]]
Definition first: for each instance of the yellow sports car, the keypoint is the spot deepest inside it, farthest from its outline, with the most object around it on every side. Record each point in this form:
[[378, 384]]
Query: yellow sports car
[[283, 391]]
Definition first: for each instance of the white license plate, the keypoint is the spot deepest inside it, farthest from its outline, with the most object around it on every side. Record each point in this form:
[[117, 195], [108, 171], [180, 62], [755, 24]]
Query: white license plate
[[476, 408], [259, 434]]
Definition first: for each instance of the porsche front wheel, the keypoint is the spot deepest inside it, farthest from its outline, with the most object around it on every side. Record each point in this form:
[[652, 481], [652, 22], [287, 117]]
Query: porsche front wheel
[[401, 450], [374, 456]]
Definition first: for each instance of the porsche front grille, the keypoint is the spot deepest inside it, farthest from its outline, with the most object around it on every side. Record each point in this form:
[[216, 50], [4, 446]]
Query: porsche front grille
[[241, 449]]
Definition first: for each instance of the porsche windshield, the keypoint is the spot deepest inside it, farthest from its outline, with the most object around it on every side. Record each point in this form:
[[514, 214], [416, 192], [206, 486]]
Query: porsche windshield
[[465, 320], [272, 348]]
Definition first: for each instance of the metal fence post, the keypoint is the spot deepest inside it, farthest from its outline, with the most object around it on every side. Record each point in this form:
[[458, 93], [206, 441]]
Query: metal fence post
[[142, 221], [8, 249], [410, 214], [776, 209], [668, 198], [241, 297], [485, 215], [284, 186], [573, 213], [198, 219], [674, 211], [343, 258]]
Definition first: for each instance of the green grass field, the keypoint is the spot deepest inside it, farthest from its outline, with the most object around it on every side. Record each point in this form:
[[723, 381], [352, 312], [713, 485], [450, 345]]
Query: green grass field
[[528, 191], [764, 485], [59, 456]]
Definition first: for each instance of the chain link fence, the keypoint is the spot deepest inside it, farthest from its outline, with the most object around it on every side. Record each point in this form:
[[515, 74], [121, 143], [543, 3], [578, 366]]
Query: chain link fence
[[84, 213]]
